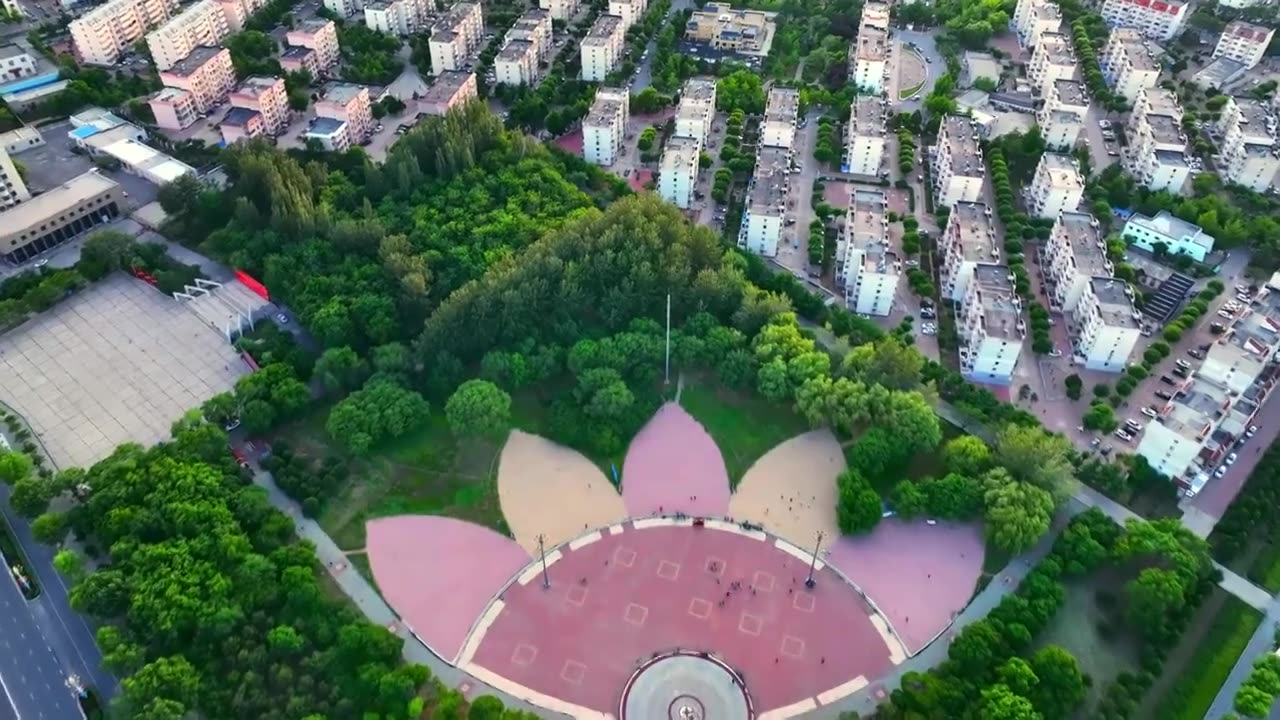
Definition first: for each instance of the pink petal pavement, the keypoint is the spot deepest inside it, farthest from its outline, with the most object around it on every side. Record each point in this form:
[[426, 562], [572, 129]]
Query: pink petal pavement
[[673, 465]]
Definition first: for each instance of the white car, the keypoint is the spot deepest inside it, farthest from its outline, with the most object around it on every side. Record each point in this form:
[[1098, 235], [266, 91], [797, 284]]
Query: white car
[[1225, 315], [1220, 471], [1123, 435], [1150, 413], [1230, 460], [1253, 430]]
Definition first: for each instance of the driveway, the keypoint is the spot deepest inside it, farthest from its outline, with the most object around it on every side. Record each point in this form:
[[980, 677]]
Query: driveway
[[796, 256], [1094, 141], [644, 74]]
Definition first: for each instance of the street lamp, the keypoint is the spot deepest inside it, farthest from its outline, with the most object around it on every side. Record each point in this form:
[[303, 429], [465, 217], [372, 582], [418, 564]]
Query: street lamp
[[542, 552], [809, 582]]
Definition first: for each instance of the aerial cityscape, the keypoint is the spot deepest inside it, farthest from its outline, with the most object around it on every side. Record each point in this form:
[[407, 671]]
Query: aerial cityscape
[[639, 359]]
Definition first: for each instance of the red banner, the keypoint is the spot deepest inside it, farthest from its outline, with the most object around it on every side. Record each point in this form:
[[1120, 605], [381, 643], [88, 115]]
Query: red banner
[[257, 287]]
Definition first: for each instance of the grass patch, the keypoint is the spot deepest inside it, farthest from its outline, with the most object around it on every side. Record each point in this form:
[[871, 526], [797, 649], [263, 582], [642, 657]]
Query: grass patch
[[908, 92], [1192, 686], [744, 425], [1081, 627], [1265, 568]]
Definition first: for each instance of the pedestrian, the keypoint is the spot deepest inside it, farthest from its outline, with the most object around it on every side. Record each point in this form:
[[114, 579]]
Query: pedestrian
[[823, 662]]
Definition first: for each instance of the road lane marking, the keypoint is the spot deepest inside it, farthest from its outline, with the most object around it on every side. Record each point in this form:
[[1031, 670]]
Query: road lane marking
[[12, 704]]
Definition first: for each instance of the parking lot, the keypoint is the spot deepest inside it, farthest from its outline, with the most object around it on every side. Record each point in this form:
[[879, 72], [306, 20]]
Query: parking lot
[[54, 163], [117, 363]]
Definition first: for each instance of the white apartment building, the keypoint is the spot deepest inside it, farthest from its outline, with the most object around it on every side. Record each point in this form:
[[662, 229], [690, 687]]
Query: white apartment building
[[778, 128], [1158, 20], [451, 89], [344, 8], [990, 326], [679, 172], [1065, 111], [1051, 61], [1073, 254], [629, 10], [875, 14], [968, 239], [534, 26], [101, 35], [455, 37], [397, 17], [1032, 18], [1243, 42], [1106, 325], [1056, 187], [602, 48], [958, 169], [15, 63], [1157, 152], [1155, 101], [865, 137], [605, 126], [1250, 149], [866, 264], [871, 59], [562, 10], [516, 64], [236, 12], [200, 24], [1128, 63], [697, 110], [766, 211], [12, 189]]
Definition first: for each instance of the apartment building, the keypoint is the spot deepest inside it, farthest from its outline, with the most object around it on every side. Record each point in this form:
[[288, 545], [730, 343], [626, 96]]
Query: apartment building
[[296, 58], [957, 168], [1155, 101], [12, 188], [321, 36], [397, 17], [349, 104], [865, 137], [697, 110], [1033, 18], [264, 96], [516, 64], [456, 37], [766, 211], [1243, 42], [1178, 236], [1073, 254], [629, 10], [193, 87], [778, 127], [1128, 63], [15, 63], [605, 126], [1056, 187], [602, 48], [1064, 113], [990, 326], [237, 12], [679, 172], [103, 34], [968, 239], [1250, 149], [200, 24], [1157, 152], [450, 89], [58, 215], [875, 14], [344, 8], [534, 26], [866, 264], [1158, 20], [871, 59], [332, 135], [746, 32], [1051, 61], [562, 10], [1106, 325]]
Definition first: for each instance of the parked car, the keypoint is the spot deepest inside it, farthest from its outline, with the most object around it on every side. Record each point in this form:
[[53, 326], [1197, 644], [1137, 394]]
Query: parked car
[[1197, 354], [1122, 435], [1222, 470], [1164, 395], [1150, 413], [1217, 328], [1182, 372], [1168, 380], [1182, 364], [1225, 315], [1230, 460]]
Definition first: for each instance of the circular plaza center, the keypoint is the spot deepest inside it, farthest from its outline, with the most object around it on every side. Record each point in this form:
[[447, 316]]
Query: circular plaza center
[[685, 687]]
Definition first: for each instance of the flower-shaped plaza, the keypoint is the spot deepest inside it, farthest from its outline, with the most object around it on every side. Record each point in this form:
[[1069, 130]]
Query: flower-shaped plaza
[[675, 564]]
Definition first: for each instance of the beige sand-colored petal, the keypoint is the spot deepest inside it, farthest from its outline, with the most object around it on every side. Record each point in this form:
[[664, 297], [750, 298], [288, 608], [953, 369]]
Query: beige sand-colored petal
[[791, 491], [549, 489]]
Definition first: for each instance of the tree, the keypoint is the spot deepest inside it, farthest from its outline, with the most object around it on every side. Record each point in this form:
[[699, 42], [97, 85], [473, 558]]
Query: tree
[[104, 252], [50, 528], [69, 563], [967, 455], [1253, 702], [171, 679], [1017, 514], [379, 411], [341, 369], [1154, 594], [31, 496], [1000, 703], [1074, 386], [1100, 417], [104, 594], [486, 707], [859, 507], [14, 466], [1061, 685], [1032, 455], [740, 90], [478, 408]]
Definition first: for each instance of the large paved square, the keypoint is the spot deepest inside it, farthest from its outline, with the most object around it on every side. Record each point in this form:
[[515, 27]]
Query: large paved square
[[117, 363]]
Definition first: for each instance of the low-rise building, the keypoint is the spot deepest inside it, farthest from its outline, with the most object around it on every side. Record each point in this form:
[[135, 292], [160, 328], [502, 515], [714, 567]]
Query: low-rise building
[[990, 326], [605, 126], [58, 215], [1032, 18], [321, 36], [1056, 187], [456, 37], [697, 110], [103, 34], [629, 10], [1051, 61], [241, 123], [194, 86], [1250, 149], [16, 63], [979, 66], [865, 137], [968, 239], [778, 127], [746, 32], [1243, 42], [267, 97], [602, 48], [562, 10], [1065, 111], [13, 189], [1128, 63], [349, 104], [450, 89], [1177, 236], [21, 139], [200, 24], [766, 211], [1159, 20], [330, 133], [958, 170], [871, 59], [866, 264], [679, 172], [398, 17]]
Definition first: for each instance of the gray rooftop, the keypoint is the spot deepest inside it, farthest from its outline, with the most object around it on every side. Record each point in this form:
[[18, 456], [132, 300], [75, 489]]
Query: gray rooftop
[[296, 52], [1062, 169], [1256, 117], [700, 89], [342, 93], [783, 104], [515, 49], [1070, 92], [314, 25], [238, 116], [1113, 302], [769, 182], [193, 61], [11, 50], [1080, 230], [1172, 226], [1171, 157], [867, 117], [1135, 48], [324, 126], [966, 158], [680, 151], [1056, 48], [868, 223], [1166, 130], [873, 43], [1162, 101], [602, 29], [447, 84], [1000, 307], [604, 111], [977, 233]]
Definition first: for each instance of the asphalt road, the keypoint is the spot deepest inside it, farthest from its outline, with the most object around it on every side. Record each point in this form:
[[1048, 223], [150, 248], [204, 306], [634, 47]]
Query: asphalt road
[[1093, 139], [644, 74]]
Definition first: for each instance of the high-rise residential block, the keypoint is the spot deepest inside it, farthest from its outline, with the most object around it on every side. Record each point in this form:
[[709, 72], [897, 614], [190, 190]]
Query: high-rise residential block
[[103, 34], [602, 48], [1056, 187], [456, 37], [200, 24], [605, 126], [866, 264], [958, 170]]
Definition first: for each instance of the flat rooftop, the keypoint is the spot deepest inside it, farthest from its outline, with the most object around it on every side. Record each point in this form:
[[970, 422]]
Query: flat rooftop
[[11, 50], [782, 105], [1056, 49], [296, 52], [193, 61], [1001, 309], [869, 230], [56, 200], [238, 116], [680, 152], [313, 25], [514, 50], [1191, 414], [602, 29], [1171, 226], [447, 84], [873, 44], [1166, 130], [769, 183], [170, 94], [605, 111], [454, 16], [962, 144], [1070, 92], [1248, 31], [1161, 101], [976, 232], [1114, 303], [256, 85], [699, 89], [867, 116], [342, 93], [1171, 158], [1080, 230], [1256, 117], [325, 126], [1062, 170], [1135, 49]]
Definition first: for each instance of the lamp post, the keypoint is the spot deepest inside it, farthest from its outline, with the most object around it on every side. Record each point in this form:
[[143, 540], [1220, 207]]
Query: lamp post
[[809, 582], [542, 552]]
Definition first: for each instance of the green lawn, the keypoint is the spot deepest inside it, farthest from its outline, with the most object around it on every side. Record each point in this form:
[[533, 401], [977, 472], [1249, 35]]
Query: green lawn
[[908, 92], [744, 425], [1265, 568], [1213, 644]]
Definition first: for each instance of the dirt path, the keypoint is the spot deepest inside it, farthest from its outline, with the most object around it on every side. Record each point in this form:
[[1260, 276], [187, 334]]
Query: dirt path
[[791, 491]]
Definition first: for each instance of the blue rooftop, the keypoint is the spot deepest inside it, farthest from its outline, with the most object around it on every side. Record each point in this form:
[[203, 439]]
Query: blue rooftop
[[325, 126], [30, 83], [81, 133]]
